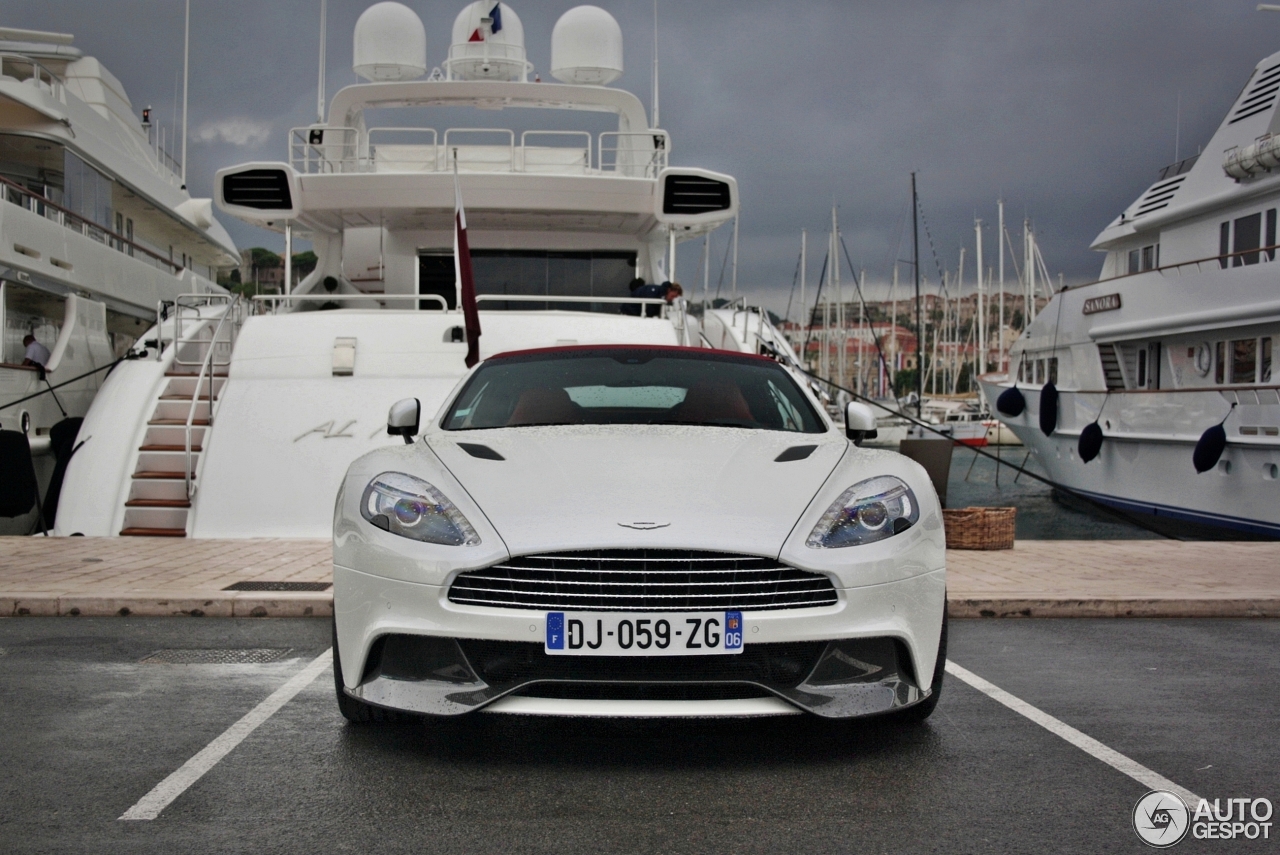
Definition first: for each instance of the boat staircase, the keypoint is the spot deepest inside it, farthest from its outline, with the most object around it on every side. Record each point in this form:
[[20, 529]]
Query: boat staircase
[[163, 483]]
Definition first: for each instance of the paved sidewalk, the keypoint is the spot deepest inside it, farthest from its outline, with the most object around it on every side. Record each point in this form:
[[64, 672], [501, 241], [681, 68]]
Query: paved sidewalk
[[1037, 578]]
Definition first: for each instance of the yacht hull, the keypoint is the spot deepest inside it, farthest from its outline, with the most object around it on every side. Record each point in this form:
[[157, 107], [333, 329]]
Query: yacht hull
[[1145, 462]]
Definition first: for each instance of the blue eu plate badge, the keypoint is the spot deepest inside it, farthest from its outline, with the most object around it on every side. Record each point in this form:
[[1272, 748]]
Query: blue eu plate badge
[[555, 630], [733, 630]]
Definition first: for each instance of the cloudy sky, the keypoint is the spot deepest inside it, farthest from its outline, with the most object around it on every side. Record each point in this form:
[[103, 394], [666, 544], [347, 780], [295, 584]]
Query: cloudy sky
[[1067, 109]]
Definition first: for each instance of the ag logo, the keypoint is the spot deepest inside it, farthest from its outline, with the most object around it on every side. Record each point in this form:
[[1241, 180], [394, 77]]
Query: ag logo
[[1161, 819]]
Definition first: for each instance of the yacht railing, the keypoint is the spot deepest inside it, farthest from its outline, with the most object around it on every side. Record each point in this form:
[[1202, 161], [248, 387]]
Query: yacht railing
[[481, 158], [317, 151], [555, 158], [25, 69], [321, 151], [1262, 254], [625, 157], [270, 304], [38, 204], [556, 298], [218, 343]]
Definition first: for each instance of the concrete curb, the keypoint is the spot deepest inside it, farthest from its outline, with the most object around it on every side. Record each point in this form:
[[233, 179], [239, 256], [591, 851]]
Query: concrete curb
[[1113, 608], [320, 604], [142, 604]]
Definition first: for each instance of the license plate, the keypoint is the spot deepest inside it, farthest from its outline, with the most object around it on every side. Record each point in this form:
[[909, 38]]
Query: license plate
[[643, 634]]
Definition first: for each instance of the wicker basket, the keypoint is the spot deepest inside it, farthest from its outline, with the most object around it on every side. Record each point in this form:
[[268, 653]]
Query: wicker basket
[[979, 528]]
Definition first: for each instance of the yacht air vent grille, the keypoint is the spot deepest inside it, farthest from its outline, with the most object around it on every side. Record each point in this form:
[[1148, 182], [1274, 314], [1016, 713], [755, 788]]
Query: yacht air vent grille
[[1159, 196], [1111, 367], [1260, 96], [694, 194], [264, 189]]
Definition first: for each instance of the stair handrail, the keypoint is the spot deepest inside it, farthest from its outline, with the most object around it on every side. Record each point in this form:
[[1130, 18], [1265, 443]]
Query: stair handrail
[[206, 368]]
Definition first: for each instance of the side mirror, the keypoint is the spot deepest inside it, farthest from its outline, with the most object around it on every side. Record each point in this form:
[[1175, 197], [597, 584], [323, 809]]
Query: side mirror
[[403, 419], [859, 422]]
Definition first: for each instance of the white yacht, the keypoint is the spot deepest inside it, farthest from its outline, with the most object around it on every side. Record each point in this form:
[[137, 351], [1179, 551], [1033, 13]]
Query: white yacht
[[245, 424], [1175, 338], [96, 231]]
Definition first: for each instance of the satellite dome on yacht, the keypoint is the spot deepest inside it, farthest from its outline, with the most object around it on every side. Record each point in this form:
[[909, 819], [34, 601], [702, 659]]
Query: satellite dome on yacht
[[390, 44], [586, 47], [488, 44]]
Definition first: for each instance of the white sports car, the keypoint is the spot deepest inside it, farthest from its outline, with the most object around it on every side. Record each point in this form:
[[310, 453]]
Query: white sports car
[[636, 531]]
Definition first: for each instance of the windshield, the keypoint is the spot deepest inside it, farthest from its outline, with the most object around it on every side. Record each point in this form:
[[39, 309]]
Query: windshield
[[632, 387]]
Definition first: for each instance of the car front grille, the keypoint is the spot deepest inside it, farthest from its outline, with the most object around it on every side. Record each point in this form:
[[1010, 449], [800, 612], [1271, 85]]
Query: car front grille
[[642, 580]]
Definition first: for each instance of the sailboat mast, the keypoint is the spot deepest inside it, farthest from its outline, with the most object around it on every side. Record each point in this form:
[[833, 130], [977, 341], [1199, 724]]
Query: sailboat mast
[[981, 361], [804, 263], [915, 253], [1000, 245]]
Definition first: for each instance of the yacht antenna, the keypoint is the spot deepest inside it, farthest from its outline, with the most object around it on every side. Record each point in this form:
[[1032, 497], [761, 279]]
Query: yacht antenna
[[320, 87], [186, 68], [1177, 129], [655, 64], [915, 244]]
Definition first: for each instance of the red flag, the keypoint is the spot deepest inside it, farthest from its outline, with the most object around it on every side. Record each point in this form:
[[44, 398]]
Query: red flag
[[462, 269]]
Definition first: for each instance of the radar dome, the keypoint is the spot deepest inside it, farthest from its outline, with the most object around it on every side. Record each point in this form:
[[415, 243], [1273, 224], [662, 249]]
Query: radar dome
[[390, 44], [586, 47], [488, 44]]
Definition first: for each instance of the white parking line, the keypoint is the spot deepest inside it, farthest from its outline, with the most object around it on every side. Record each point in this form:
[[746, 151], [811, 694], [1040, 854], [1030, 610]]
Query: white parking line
[[1087, 744], [163, 794]]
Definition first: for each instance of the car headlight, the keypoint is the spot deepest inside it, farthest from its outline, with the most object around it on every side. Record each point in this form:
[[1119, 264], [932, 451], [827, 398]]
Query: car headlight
[[868, 511], [410, 507]]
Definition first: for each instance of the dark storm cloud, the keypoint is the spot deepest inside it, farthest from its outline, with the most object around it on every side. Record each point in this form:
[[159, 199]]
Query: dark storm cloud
[[1065, 108]]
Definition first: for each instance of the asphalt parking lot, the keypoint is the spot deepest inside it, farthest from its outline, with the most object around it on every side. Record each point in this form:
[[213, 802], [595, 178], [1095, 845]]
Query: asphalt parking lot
[[87, 729]]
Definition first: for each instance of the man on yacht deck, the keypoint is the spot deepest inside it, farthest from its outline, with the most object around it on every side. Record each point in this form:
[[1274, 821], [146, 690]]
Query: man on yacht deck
[[37, 355]]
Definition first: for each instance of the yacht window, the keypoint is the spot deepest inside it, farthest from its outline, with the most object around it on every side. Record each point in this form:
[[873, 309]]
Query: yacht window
[[1148, 257], [1224, 243], [544, 273], [1142, 369], [1264, 361], [1248, 237], [1244, 360], [128, 233], [1271, 234], [27, 310], [87, 192], [35, 164], [1053, 369], [1219, 364], [1134, 261], [1040, 375]]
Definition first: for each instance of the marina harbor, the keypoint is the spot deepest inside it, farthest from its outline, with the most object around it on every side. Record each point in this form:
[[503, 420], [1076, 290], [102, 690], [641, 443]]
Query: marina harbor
[[647, 427]]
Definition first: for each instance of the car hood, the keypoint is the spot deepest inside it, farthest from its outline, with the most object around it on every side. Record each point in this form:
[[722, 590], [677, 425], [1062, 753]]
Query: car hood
[[578, 487]]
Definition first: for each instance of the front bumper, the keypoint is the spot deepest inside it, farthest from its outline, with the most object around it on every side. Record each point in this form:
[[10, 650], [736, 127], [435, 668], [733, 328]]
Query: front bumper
[[405, 646]]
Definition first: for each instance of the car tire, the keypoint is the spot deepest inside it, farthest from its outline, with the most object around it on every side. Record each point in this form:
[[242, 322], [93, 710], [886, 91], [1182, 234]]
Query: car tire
[[353, 709], [920, 711]]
